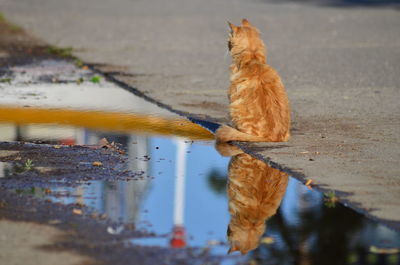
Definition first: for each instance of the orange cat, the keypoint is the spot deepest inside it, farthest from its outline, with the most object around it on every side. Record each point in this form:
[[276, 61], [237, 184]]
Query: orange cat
[[255, 191], [259, 107]]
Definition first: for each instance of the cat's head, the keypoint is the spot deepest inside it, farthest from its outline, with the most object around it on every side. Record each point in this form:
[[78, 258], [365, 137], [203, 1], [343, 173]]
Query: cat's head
[[244, 38], [243, 238]]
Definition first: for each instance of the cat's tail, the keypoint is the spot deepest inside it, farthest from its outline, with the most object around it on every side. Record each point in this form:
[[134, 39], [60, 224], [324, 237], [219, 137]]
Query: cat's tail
[[226, 133]]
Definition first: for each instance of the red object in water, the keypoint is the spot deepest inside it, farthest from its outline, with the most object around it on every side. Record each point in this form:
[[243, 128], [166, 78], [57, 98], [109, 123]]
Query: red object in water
[[178, 239], [68, 141]]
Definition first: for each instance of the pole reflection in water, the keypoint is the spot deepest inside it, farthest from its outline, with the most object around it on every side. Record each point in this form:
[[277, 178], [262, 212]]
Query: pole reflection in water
[[178, 239], [255, 191]]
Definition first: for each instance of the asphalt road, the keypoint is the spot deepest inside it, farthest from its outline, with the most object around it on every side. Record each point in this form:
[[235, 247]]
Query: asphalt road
[[340, 62]]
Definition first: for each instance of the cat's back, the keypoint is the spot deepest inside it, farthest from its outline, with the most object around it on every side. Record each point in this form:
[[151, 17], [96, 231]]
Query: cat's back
[[257, 81], [264, 77], [259, 103]]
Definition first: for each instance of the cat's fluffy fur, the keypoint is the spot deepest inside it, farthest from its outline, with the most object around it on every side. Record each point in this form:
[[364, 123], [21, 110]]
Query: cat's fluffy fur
[[255, 191], [259, 106]]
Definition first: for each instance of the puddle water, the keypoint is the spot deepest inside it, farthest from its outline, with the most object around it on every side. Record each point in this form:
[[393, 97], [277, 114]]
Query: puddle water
[[188, 189]]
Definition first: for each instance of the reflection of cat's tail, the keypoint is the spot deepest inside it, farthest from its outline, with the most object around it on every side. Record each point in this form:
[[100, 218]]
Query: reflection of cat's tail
[[226, 133], [226, 149]]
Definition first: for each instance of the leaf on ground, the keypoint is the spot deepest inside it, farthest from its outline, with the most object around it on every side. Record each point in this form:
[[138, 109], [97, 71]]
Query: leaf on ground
[[77, 211], [80, 204], [79, 80], [3, 204], [267, 240], [94, 215], [54, 222], [95, 79], [308, 183], [103, 216], [97, 164], [104, 143]]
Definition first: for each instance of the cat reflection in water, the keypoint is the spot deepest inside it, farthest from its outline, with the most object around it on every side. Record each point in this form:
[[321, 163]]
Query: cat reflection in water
[[255, 191]]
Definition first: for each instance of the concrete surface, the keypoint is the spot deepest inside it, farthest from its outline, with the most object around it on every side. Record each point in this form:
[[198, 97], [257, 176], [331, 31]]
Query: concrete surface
[[32, 245], [340, 64]]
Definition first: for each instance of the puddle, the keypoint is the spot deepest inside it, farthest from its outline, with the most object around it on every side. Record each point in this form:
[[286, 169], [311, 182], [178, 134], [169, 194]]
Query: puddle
[[182, 196]]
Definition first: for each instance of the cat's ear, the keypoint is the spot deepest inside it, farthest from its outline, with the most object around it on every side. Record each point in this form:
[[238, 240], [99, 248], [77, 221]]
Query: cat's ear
[[233, 28], [245, 22]]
